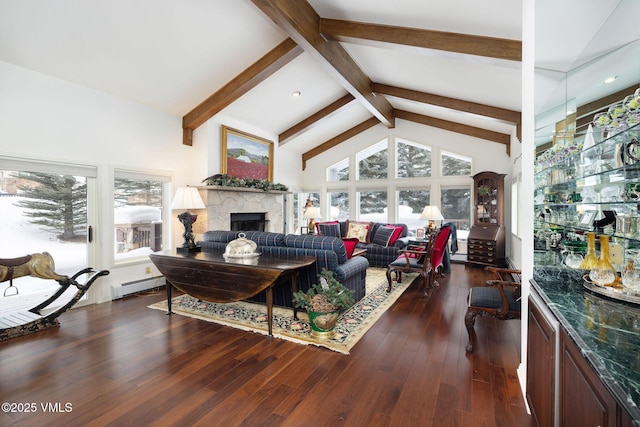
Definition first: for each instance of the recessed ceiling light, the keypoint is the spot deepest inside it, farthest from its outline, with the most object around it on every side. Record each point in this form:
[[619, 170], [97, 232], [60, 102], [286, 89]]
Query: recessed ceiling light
[[296, 94], [610, 79]]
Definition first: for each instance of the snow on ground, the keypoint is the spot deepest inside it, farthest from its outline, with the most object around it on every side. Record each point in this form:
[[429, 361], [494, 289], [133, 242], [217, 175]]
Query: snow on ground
[[19, 237]]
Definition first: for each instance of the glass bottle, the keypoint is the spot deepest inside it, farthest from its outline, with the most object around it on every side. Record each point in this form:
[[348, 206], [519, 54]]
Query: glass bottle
[[604, 274], [590, 260]]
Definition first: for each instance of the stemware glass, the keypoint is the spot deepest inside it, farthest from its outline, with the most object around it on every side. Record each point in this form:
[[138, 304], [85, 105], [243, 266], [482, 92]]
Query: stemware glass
[[631, 281]]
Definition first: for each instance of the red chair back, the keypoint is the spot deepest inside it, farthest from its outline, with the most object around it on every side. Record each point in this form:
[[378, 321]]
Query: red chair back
[[440, 246]]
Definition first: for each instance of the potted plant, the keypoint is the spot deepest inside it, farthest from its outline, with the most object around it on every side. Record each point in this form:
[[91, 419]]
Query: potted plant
[[324, 302]]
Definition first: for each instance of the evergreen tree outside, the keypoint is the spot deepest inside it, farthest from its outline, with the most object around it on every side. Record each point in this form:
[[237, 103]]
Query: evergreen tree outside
[[135, 192], [339, 201], [454, 165], [339, 171], [456, 205], [373, 202], [373, 162], [413, 160], [55, 202], [415, 199]]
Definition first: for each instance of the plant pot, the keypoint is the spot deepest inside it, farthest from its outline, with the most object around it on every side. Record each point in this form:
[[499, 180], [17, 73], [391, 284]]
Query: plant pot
[[322, 324]]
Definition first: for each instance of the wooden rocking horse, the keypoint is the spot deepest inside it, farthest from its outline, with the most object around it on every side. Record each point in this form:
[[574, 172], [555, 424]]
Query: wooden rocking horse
[[41, 266]]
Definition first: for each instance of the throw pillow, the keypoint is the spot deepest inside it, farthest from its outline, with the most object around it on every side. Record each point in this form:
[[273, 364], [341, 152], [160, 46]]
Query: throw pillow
[[328, 228], [396, 233], [358, 231], [382, 236], [350, 245]]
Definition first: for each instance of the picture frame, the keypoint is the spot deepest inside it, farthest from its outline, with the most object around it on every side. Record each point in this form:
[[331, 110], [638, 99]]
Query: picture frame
[[420, 233], [245, 156]]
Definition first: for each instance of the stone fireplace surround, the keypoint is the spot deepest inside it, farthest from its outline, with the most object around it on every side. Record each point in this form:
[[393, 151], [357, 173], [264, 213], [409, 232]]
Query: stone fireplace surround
[[222, 201]]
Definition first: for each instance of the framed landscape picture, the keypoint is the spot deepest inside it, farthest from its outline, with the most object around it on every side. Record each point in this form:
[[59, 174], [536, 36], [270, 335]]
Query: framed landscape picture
[[245, 155]]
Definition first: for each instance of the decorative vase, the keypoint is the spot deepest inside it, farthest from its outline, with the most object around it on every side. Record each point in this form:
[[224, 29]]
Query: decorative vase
[[590, 260], [323, 324], [604, 274]]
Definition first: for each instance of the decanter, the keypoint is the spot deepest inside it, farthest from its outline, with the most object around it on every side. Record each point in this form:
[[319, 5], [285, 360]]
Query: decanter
[[590, 260], [604, 274]]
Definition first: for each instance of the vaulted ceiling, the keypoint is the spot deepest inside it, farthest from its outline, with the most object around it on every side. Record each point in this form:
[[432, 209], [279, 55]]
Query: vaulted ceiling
[[356, 64]]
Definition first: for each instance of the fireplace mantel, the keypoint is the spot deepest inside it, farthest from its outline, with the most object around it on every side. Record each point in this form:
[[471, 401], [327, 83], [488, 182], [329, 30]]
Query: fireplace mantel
[[240, 189], [222, 201]]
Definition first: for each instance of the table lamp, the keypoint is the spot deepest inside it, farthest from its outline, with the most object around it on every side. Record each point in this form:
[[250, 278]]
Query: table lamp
[[312, 213], [432, 214], [187, 198]]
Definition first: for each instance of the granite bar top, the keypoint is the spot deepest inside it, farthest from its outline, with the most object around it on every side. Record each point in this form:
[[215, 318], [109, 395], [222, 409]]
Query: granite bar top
[[606, 331]]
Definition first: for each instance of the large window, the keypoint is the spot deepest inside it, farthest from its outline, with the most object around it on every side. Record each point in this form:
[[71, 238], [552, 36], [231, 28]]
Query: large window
[[453, 164], [410, 206], [138, 214], [412, 160], [373, 206], [373, 161], [338, 205], [338, 171], [456, 206]]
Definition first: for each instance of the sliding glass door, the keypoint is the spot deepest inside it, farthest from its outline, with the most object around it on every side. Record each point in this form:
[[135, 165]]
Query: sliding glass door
[[44, 208]]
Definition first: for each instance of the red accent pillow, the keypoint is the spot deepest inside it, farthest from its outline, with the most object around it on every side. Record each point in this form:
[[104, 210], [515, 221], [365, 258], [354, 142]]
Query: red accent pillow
[[350, 245], [326, 222], [396, 234]]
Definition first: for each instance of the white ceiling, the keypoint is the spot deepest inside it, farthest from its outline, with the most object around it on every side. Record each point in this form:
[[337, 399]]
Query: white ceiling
[[172, 55]]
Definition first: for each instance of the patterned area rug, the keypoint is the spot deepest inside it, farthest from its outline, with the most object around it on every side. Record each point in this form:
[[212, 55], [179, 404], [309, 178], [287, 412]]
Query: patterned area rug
[[352, 326]]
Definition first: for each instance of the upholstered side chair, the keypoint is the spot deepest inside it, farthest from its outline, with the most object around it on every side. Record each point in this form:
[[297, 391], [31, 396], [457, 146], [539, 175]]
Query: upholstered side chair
[[420, 259], [500, 298]]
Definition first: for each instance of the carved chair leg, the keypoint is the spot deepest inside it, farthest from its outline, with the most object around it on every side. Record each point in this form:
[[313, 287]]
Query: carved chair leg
[[389, 280], [469, 322]]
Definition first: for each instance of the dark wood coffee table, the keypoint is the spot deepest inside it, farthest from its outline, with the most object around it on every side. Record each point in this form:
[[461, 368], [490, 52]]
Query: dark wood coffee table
[[211, 277]]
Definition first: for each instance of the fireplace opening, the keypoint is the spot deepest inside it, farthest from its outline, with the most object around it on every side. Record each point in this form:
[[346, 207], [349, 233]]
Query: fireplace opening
[[252, 221]]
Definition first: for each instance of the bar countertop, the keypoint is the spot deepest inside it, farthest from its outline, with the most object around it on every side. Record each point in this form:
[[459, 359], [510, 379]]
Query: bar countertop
[[606, 331]]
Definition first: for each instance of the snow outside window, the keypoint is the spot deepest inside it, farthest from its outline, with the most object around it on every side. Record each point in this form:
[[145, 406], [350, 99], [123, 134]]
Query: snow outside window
[[138, 214]]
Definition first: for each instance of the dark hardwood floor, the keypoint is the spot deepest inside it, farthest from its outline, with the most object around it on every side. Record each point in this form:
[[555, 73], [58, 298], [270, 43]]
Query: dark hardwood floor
[[122, 364]]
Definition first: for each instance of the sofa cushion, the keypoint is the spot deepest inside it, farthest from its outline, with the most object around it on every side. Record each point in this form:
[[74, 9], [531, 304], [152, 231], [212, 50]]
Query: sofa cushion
[[383, 236], [327, 243], [350, 245], [358, 230], [220, 236], [264, 238], [397, 232], [328, 228]]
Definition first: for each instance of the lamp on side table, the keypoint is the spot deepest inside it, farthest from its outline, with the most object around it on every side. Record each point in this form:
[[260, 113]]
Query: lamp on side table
[[187, 198], [432, 214]]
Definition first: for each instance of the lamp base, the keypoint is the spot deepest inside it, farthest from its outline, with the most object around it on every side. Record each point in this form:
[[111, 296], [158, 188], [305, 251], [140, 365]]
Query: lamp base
[[183, 250]]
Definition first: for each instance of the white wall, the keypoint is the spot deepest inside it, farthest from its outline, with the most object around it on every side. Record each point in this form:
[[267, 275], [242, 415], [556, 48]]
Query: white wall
[[486, 155], [46, 118]]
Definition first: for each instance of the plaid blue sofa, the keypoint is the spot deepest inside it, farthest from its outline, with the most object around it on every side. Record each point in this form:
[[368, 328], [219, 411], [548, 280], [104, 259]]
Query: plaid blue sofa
[[378, 255], [329, 252]]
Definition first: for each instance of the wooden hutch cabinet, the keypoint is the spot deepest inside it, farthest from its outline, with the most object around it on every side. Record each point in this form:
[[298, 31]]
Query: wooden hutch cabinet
[[485, 244]]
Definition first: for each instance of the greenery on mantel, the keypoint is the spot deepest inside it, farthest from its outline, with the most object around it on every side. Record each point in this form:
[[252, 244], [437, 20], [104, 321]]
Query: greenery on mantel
[[225, 180]]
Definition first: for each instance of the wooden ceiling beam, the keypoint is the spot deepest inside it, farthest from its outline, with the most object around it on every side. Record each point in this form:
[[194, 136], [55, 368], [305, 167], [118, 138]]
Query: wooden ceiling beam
[[314, 119], [259, 71], [356, 32], [476, 132], [301, 22], [452, 103], [338, 140]]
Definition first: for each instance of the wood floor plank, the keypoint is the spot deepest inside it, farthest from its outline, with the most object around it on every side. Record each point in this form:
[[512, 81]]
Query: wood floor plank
[[120, 363]]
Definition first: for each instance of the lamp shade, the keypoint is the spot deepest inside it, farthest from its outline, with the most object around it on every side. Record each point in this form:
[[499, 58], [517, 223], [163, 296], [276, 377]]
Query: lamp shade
[[431, 213], [312, 212], [187, 198]]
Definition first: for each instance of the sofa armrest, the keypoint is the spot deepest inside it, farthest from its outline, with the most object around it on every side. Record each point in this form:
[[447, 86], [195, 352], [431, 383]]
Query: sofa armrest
[[402, 242], [352, 267]]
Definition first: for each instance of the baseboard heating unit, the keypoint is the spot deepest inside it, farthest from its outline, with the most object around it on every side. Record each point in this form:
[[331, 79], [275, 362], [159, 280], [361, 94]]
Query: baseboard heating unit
[[124, 289]]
